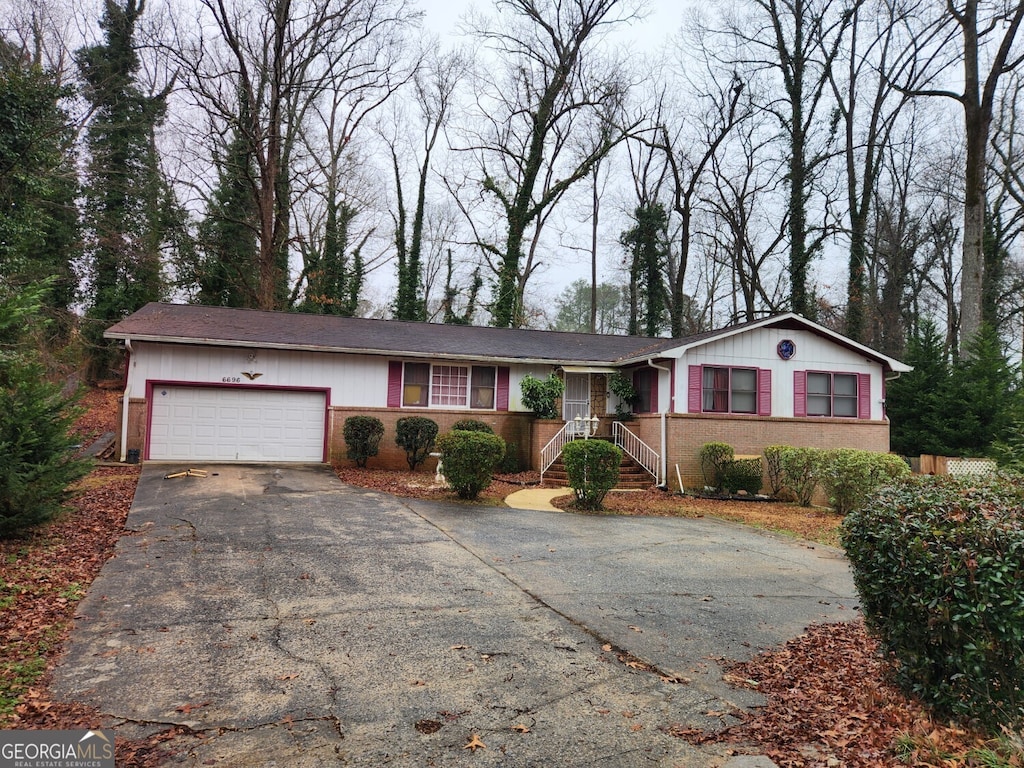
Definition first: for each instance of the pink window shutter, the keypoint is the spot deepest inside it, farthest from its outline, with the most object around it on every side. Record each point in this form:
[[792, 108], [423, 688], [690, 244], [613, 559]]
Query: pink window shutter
[[863, 395], [501, 402], [694, 394], [799, 393], [764, 392], [394, 384]]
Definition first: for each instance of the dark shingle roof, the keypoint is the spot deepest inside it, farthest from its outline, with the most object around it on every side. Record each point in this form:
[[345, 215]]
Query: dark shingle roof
[[223, 326], [193, 324]]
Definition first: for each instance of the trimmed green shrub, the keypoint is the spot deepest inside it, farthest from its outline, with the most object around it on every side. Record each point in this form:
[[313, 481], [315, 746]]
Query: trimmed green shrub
[[469, 458], [593, 469], [849, 476], [939, 565], [713, 458], [800, 472], [541, 395], [415, 435], [742, 475], [472, 425], [773, 469], [362, 437]]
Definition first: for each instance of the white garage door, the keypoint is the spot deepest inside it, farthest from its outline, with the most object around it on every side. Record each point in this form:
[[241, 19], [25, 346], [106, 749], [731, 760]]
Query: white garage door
[[228, 424]]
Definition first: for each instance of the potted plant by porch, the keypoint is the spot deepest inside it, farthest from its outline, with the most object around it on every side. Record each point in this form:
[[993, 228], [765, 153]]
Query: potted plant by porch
[[623, 388], [541, 395]]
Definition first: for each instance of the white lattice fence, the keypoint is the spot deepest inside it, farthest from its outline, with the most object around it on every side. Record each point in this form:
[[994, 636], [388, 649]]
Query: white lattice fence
[[959, 467]]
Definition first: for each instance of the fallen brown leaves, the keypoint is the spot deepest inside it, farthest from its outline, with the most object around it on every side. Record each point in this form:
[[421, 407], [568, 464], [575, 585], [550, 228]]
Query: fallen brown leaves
[[828, 705]]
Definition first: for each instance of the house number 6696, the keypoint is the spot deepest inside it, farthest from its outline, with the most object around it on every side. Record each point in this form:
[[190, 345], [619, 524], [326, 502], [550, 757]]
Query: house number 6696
[[231, 380]]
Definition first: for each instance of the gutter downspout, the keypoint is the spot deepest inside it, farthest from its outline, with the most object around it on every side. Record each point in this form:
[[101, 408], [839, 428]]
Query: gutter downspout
[[885, 393], [125, 399], [663, 469]]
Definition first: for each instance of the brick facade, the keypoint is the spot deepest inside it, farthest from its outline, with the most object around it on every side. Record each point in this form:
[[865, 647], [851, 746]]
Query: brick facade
[[686, 433]]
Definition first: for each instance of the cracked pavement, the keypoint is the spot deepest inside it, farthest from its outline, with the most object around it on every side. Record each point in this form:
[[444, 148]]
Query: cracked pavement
[[288, 619]]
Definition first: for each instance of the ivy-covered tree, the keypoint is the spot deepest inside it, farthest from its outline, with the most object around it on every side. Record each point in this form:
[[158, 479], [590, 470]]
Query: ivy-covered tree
[[38, 463], [647, 244], [224, 271], [334, 277], [449, 314], [39, 229], [129, 207]]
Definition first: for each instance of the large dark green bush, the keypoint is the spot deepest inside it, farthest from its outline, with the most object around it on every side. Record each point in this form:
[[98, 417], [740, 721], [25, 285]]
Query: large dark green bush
[[472, 425], [468, 460], [541, 395], [742, 475], [939, 565], [415, 435], [362, 437], [713, 459], [593, 470], [37, 456], [849, 476]]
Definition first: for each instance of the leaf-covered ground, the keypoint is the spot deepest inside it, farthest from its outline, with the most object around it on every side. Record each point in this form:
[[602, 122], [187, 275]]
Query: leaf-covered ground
[[827, 702]]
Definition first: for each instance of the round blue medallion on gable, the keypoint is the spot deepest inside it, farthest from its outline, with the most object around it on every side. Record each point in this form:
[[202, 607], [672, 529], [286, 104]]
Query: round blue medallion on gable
[[786, 349]]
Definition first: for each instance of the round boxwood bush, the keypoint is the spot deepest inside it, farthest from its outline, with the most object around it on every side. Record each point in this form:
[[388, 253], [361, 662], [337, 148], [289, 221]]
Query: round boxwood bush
[[593, 470], [472, 425], [468, 460], [939, 565], [362, 437]]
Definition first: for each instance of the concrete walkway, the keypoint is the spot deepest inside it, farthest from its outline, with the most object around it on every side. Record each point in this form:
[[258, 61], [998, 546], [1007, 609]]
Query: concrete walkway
[[536, 499]]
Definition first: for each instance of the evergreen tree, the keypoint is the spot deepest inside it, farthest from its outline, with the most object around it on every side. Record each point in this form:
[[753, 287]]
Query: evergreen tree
[[953, 409], [983, 398], [915, 401], [647, 245], [128, 205], [38, 185], [38, 461]]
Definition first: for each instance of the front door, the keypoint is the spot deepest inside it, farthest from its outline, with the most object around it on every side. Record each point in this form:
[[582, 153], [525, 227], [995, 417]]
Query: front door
[[576, 400]]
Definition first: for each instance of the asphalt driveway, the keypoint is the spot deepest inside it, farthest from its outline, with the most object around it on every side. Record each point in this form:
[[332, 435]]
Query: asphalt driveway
[[291, 620]]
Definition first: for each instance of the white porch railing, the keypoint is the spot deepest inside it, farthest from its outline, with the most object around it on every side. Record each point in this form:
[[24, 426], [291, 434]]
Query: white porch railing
[[550, 452], [636, 448]]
